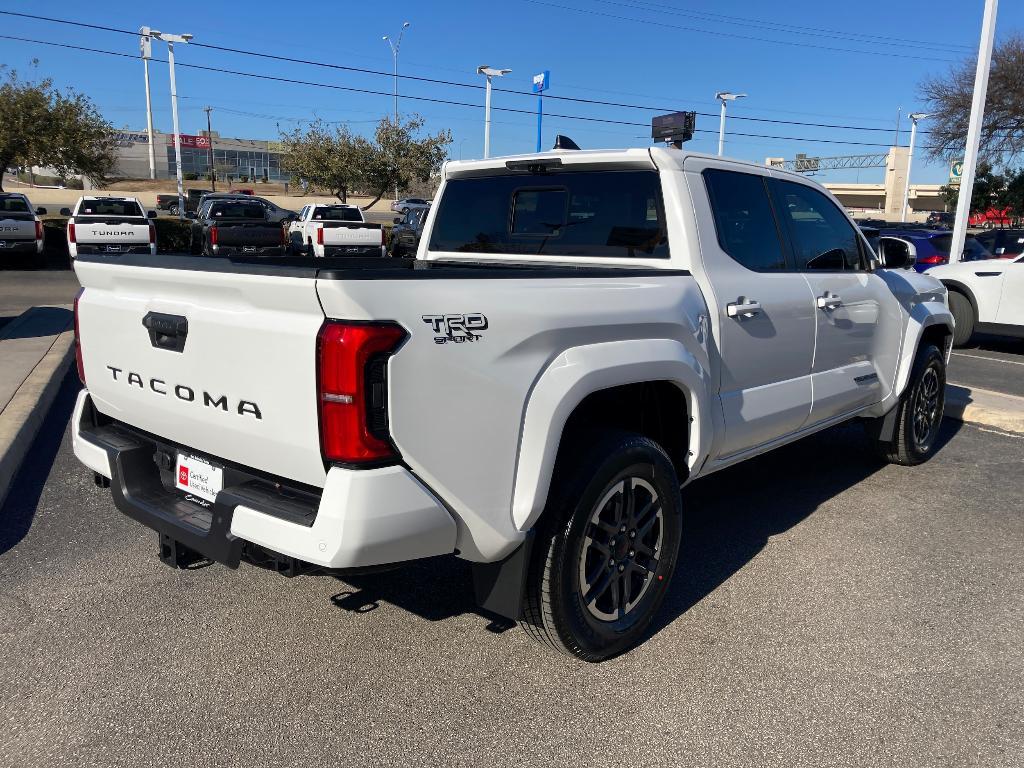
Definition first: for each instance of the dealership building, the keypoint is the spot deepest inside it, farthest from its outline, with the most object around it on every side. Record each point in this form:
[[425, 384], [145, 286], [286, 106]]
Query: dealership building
[[234, 158]]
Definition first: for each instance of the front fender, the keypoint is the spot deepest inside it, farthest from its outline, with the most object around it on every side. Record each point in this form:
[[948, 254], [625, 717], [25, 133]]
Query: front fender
[[923, 316], [580, 371]]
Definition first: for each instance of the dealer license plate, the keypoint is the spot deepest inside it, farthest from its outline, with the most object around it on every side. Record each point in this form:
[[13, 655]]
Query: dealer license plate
[[199, 477]]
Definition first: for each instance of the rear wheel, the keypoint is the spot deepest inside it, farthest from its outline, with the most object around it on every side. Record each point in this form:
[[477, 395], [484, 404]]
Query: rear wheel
[[606, 549], [963, 314], [919, 412], [173, 209]]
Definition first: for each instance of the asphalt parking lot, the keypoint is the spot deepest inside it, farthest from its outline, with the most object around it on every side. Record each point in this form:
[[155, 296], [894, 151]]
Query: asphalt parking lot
[[834, 612]]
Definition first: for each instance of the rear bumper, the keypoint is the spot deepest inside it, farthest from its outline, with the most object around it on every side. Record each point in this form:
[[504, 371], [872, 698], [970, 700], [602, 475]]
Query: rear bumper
[[81, 249], [360, 518], [354, 250], [239, 250], [22, 247]]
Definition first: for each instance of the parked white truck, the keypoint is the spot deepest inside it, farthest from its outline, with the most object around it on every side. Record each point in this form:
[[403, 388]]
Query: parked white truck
[[581, 333], [110, 225], [332, 229], [21, 229]]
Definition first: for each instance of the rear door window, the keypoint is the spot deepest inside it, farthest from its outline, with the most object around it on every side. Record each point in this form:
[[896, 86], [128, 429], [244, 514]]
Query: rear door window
[[744, 221], [590, 213]]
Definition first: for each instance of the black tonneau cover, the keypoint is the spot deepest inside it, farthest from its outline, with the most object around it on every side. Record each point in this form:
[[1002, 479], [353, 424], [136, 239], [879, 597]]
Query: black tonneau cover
[[375, 268]]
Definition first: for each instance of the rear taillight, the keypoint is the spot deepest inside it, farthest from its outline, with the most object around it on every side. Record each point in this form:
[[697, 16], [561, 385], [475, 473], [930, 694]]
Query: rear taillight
[[39, 230], [213, 235], [78, 339], [936, 259], [71, 231], [320, 236], [152, 233], [352, 390]]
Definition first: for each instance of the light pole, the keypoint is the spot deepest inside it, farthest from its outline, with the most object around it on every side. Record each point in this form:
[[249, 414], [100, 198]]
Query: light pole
[[209, 138], [914, 117], [395, 46], [724, 96], [963, 201], [146, 47], [488, 72], [171, 40]]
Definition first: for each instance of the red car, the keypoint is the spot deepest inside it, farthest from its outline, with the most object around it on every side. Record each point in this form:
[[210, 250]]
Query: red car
[[991, 218]]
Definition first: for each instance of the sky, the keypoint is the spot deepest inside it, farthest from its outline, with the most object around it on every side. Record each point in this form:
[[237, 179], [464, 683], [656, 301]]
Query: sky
[[802, 61]]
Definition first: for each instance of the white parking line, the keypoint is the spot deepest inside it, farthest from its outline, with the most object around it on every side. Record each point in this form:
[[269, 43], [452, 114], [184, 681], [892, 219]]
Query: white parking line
[[993, 359]]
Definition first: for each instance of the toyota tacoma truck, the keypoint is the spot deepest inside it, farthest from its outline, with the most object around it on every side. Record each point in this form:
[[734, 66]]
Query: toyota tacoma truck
[[581, 334], [234, 226], [21, 229], [333, 229], [110, 225]]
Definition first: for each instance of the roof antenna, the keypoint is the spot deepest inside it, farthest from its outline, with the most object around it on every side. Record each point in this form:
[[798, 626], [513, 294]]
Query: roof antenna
[[564, 142]]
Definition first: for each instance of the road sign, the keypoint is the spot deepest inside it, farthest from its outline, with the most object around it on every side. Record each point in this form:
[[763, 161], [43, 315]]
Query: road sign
[[956, 171], [542, 81]]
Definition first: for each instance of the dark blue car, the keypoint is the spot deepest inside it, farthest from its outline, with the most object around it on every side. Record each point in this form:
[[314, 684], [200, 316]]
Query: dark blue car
[[933, 246]]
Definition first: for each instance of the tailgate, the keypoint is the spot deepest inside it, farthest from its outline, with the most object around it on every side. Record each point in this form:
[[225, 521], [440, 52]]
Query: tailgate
[[239, 233], [352, 233], [17, 227], [111, 230], [242, 389]]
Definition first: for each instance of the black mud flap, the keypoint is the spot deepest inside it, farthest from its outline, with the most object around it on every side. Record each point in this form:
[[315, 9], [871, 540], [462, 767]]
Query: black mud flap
[[500, 587]]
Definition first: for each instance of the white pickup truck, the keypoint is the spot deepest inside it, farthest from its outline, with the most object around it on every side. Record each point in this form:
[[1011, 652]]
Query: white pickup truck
[[582, 333], [21, 229], [333, 229], [110, 225]]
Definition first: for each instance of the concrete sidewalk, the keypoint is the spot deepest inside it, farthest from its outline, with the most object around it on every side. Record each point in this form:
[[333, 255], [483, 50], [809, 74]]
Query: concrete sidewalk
[[985, 407], [35, 351]]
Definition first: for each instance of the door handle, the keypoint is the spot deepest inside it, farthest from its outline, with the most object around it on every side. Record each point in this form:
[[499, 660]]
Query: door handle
[[743, 308], [829, 301]]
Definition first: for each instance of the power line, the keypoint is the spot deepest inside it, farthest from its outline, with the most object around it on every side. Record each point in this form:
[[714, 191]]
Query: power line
[[473, 86], [735, 35], [774, 26]]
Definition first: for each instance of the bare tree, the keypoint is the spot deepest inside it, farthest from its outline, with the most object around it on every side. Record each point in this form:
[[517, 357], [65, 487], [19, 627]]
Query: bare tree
[[949, 100]]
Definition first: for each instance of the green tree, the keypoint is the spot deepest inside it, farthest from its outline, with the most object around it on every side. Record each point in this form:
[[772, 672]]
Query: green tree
[[988, 187], [401, 156], [949, 98], [40, 125], [1012, 194], [329, 158]]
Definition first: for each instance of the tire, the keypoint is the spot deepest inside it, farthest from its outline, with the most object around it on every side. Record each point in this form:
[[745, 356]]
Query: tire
[[173, 209], [919, 411], [586, 529], [963, 315]]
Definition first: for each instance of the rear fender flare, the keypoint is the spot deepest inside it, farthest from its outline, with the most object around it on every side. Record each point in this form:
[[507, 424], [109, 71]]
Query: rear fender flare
[[580, 371]]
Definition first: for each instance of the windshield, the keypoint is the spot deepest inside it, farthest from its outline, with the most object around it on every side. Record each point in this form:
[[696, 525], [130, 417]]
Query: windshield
[[336, 213], [109, 208]]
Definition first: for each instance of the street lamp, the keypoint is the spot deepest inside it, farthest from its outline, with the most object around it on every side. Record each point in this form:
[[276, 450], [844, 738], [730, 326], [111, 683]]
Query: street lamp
[[146, 49], [395, 46], [171, 40], [489, 72], [724, 96], [914, 117]]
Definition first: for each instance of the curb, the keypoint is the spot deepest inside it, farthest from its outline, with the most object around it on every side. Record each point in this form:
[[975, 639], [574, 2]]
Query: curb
[[985, 407], [24, 414]]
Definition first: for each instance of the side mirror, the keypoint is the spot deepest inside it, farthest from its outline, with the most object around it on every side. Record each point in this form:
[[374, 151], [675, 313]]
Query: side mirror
[[65, 211], [40, 211], [150, 214], [897, 253]]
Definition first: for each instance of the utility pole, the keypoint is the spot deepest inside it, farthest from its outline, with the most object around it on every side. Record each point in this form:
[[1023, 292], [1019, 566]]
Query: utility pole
[[914, 117], [209, 137], [488, 72], [724, 96], [171, 40], [395, 47], [963, 202], [146, 47]]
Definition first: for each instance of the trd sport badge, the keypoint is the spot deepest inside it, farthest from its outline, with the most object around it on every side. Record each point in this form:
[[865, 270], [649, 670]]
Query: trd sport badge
[[456, 329]]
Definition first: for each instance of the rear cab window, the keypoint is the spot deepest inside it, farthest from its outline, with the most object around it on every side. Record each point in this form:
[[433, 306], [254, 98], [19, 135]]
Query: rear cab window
[[237, 210], [336, 213], [13, 205], [109, 208], [613, 214]]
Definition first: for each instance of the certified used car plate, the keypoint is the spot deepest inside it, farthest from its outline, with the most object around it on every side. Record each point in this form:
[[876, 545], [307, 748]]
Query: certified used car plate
[[248, 249], [113, 249], [3, 243], [198, 476]]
